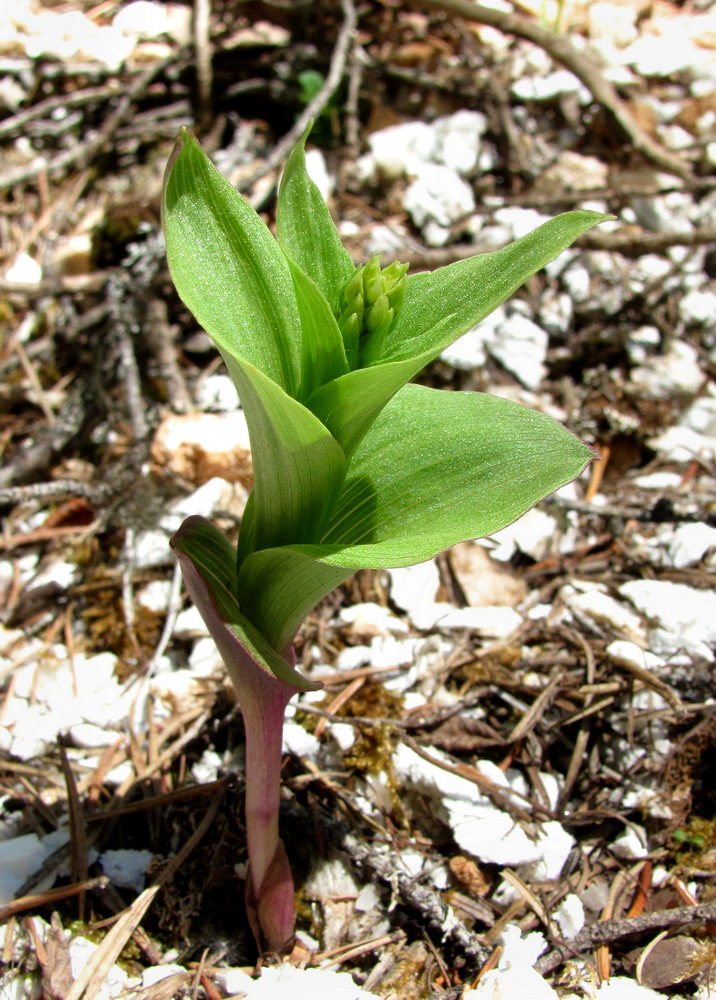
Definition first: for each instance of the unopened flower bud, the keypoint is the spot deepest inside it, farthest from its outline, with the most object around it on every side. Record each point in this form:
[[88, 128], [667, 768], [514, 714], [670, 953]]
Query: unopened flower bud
[[370, 303]]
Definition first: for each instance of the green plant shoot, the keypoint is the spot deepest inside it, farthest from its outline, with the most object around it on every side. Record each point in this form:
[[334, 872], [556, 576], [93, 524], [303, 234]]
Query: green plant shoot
[[354, 468]]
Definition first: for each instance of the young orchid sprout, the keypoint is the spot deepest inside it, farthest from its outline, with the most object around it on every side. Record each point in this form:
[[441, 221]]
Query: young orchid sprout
[[354, 468]]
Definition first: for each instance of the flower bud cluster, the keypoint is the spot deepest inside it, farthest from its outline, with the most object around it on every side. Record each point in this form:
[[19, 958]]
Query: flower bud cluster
[[369, 307]]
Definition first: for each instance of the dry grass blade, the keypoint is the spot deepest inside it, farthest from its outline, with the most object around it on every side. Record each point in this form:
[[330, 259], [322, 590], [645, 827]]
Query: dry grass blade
[[89, 982]]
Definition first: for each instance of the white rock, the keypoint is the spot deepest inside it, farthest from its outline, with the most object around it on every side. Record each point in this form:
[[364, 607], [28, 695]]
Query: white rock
[[401, 149], [205, 659], [685, 545], [512, 984], [155, 973], [641, 340], [233, 981], [491, 622], [353, 657], [577, 281], [521, 346], [468, 351], [189, 624], [570, 915], [126, 868], [206, 769], [520, 221], [20, 858], [555, 312], [289, 983], [604, 610], [318, 172], [631, 844], [685, 618], [217, 393], [24, 270], [115, 979], [298, 741], [343, 734], [155, 596], [532, 534], [631, 654], [693, 436], [413, 586], [370, 619], [368, 898], [658, 481], [675, 373], [622, 988], [698, 308], [661, 213], [458, 141], [613, 22], [90, 737], [545, 88], [148, 19], [439, 195]]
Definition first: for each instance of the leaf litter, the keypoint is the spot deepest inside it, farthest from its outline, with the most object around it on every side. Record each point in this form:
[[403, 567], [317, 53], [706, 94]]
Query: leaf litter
[[512, 800]]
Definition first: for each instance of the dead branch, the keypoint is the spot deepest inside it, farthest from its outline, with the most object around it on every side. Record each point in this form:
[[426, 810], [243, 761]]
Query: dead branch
[[562, 51], [614, 930]]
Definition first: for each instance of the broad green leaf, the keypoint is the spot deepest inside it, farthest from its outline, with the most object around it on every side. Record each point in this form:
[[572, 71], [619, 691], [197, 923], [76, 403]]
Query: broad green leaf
[[438, 468], [471, 289], [298, 467], [207, 558], [350, 404], [306, 231], [279, 587], [324, 356], [227, 267]]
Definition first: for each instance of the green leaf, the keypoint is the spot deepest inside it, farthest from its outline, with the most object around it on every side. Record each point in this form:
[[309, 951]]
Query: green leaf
[[471, 289], [306, 232], [207, 561], [438, 468], [279, 587], [324, 357], [349, 405], [298, 467], [227, 267]]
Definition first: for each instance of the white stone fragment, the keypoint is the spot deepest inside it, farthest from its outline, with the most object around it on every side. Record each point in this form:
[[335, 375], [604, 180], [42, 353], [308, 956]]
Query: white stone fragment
[[698, 308], [631, 844], [149, 19], [318, 172], [629, 653], [545, 88], [570, 915], [658, 481], [90, 737], [520, 221], [438, 194], [126, 868], [368, 898], [155, 973], [516, 983], [401, 149], [490, 622], [623, 988], [532, 534], [682, 546], [521, 346], [684, 618], [217, 393], [205, 659], [343, 734], [604, 610], [677, 372], [693, 436], [24, 270], [299, 742], [413, 586], [286, 982], [370, 619], [233, 982], [115, 979], [155, 596], [20, 857], [189, 624]]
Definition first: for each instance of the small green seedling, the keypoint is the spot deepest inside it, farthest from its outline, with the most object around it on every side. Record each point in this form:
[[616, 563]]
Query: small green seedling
[[354, 468]]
